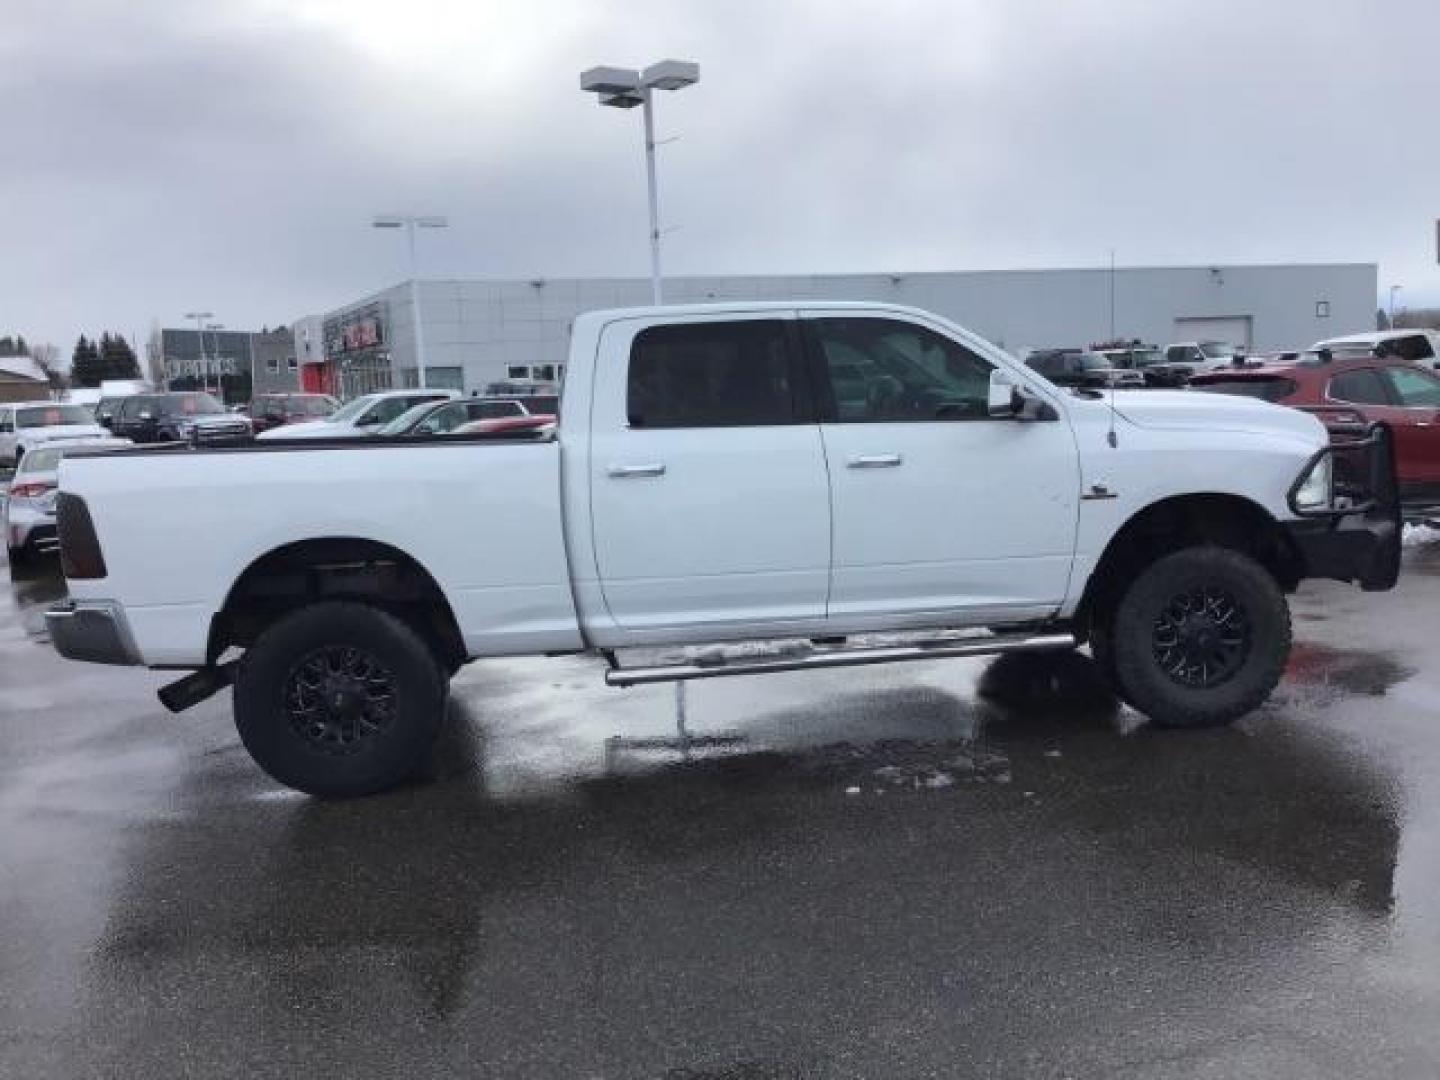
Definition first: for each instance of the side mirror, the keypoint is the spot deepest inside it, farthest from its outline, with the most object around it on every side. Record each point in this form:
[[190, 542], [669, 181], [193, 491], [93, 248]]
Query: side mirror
[[1001, 402], [1006, 400]]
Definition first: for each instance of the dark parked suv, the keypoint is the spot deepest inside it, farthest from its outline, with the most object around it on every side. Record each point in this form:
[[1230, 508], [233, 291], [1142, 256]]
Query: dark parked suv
[[1077, 367], [191, 417]]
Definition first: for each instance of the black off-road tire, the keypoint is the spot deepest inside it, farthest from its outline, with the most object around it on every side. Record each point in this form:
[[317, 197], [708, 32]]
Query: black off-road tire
[[1225, 587], [350, 648]]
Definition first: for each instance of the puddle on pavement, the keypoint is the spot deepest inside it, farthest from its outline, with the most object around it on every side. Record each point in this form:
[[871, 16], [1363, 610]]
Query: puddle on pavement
[[1328, 672]]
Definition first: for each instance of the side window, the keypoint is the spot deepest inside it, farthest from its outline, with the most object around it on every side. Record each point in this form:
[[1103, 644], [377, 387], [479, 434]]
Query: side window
[[884, 370], [1417, 389], [446, 419], [1415, 348], [711, 374], [1361, 387], [493, 410], [7, 424]]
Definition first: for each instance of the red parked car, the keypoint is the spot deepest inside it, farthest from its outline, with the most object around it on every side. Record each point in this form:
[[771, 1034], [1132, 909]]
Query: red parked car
[[275, 410], [1348, 393]]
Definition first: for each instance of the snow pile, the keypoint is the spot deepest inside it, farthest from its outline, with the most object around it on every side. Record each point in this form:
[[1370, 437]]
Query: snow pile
[[1415, 535]]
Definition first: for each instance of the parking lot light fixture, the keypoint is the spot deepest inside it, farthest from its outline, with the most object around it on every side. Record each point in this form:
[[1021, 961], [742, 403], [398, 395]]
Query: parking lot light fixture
[[625, 88], [411, 222]]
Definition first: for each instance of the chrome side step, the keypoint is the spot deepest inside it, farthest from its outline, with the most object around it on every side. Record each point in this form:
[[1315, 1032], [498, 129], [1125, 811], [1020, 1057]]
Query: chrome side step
[[850, 657]]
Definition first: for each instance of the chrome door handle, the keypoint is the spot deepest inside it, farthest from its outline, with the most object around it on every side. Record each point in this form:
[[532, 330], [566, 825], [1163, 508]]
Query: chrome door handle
[[875, 461], [625, 472]]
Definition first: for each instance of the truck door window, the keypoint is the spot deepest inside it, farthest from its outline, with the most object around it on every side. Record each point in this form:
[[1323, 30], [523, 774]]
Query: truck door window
[[1417, 389], [711, 374], [885, 370], [1360, 387]]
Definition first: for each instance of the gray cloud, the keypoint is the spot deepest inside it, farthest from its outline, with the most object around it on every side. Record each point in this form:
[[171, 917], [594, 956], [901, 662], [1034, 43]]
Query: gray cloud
[[161, 155]]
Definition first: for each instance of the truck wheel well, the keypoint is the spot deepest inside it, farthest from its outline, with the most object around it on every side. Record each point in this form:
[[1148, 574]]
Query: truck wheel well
[[336, 568], [1185, 521]]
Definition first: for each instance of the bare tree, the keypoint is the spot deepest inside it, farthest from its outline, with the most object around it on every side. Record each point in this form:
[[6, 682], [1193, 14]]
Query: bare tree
[[47, 358]]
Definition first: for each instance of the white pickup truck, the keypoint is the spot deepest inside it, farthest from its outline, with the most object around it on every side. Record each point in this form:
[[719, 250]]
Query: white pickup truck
[[741, 472]]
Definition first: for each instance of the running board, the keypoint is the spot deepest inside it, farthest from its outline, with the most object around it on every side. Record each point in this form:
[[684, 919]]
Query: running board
[[937, 649]]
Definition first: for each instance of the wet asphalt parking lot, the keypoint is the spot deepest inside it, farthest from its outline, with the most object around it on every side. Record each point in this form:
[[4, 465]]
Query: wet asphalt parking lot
[[892, 875]]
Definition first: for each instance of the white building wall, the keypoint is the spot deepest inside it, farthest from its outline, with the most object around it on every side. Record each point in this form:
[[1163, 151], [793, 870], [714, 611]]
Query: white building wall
[[484, 327]]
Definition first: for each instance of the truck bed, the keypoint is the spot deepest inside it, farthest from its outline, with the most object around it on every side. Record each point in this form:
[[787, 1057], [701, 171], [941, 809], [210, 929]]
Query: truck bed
[[174, 523]]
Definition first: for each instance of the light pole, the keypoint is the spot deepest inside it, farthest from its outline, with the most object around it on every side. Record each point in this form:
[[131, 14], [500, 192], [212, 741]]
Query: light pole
[[200, 317], [1393, 290], [214, 327], [624, 88], [411, 222]]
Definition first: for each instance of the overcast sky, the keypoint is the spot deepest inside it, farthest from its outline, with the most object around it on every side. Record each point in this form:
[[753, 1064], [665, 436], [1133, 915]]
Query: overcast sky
[[166, 155]]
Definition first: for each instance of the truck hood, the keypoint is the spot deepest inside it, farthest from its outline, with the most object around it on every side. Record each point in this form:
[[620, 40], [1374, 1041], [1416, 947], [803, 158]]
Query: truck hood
[[63, 431], [313, 429], [1190, 410]]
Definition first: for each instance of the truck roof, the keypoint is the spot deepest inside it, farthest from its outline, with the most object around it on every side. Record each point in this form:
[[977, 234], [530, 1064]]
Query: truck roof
[[737, 306]]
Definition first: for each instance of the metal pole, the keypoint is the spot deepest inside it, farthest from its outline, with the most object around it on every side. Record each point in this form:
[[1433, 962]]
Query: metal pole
[[648, 95], [204, 369], [415, 309], [1112, 296]]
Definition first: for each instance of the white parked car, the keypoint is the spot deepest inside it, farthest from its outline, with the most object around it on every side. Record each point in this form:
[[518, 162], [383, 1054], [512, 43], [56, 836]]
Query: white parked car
[[363, 416], [725, 473], [26, 425], [1418, 346], [29, 515]]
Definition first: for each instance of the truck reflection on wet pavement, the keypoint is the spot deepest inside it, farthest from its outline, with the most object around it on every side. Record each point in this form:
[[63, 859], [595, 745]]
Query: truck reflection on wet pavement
[[947, 868]]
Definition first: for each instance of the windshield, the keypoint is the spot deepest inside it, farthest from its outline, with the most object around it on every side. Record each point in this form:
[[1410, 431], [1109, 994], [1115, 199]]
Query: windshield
[[407, 419], [1094, 361], [53, 416], [1145, 357], [1217, 350], [350, 411], [188, 405]]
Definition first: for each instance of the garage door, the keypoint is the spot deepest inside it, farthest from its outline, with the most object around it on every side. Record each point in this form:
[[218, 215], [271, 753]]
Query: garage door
[[1235, 329]]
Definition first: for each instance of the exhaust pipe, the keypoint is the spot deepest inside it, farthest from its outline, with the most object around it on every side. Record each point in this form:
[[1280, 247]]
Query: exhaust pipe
[[196, 687]]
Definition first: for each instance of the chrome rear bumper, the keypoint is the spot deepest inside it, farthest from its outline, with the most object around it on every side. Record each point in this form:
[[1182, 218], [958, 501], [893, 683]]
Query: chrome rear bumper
[[94, 631]]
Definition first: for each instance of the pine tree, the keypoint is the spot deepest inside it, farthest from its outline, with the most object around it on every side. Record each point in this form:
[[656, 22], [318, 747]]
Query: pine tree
[[21, 348], [7, 346], [85, 365], [117, 358]]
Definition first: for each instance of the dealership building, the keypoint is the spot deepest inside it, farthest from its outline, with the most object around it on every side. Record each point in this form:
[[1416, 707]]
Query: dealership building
[[479, 332]]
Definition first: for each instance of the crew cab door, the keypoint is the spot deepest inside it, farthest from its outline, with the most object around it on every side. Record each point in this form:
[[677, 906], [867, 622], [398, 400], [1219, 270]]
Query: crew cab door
[[940, 512], [710, 501]]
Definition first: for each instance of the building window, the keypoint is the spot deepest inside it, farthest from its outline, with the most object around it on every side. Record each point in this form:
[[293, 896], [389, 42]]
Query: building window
[[292, 363], [517, 371], [543, 372], [1322, 309], [272, 364]]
